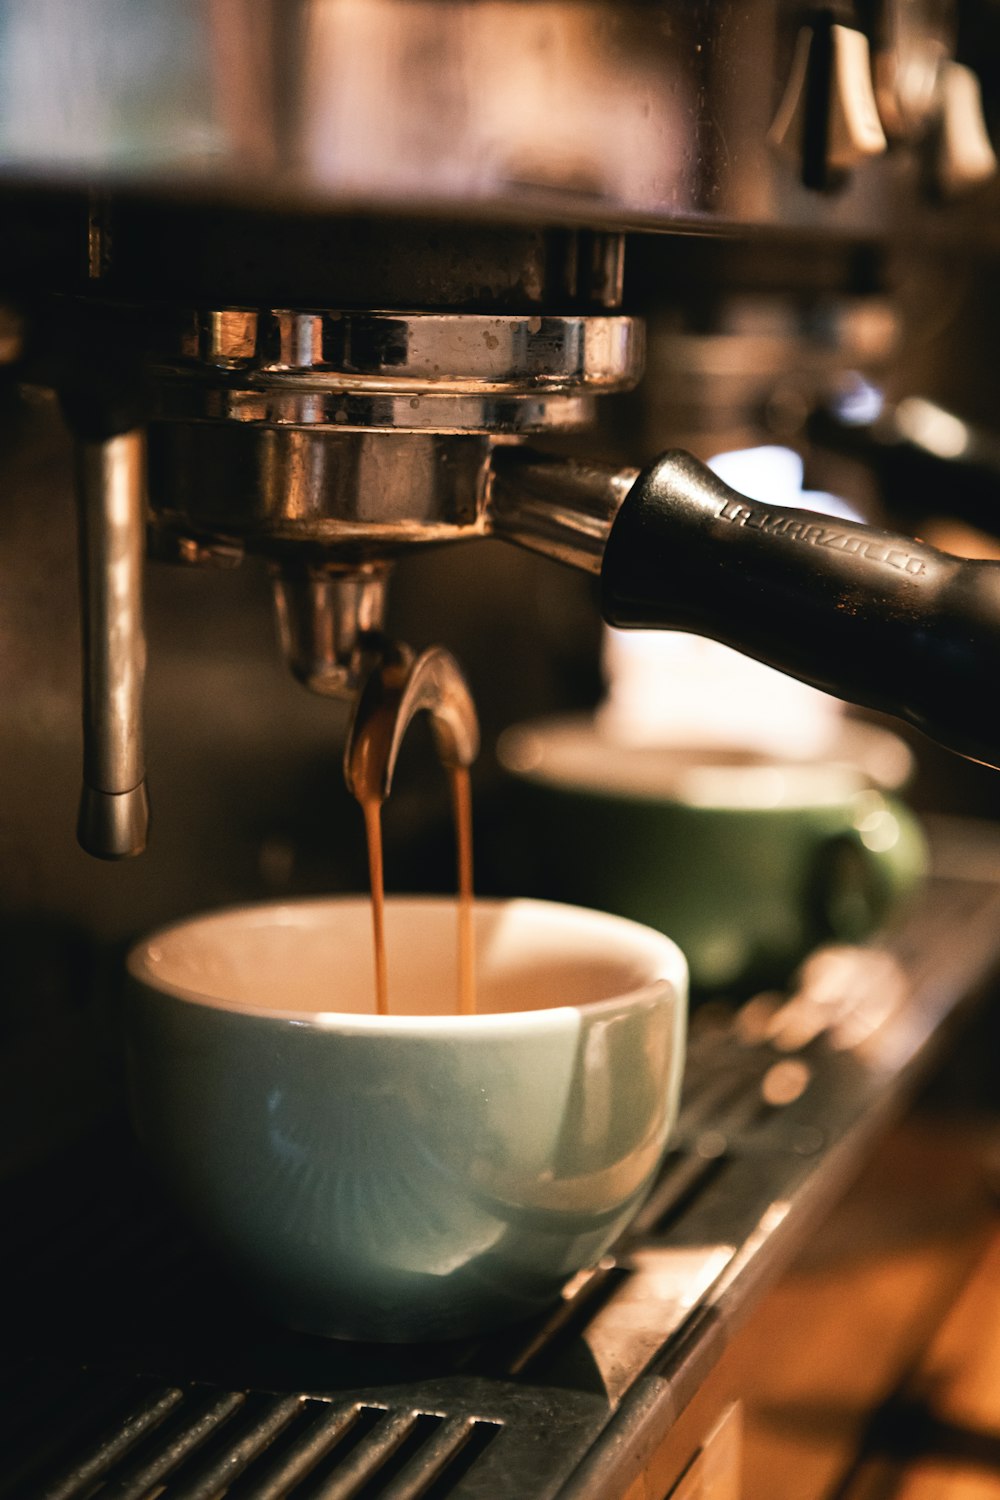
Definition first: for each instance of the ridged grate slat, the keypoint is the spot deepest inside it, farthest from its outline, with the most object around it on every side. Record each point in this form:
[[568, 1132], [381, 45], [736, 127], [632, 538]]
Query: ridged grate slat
[[150, 1468], [216, 1475], [432, 1461], [367, 1458], [112, 1449], [277, 1474]]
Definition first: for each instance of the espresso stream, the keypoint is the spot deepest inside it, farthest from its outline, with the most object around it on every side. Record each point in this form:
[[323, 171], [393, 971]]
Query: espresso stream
[[461, 799]]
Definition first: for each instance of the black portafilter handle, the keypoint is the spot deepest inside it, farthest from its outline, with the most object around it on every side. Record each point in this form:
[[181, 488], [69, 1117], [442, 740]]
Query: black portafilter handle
[[879, 619]]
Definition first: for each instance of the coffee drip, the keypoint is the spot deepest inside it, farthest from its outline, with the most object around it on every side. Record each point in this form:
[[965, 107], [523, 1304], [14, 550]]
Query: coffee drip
[[461, 798], [400, 685], [372, 810]]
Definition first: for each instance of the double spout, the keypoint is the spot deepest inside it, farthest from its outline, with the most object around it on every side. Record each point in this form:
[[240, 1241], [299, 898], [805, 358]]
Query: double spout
[[398, 686]]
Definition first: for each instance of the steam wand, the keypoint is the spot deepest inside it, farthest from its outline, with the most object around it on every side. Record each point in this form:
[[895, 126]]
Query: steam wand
[[114, 807]]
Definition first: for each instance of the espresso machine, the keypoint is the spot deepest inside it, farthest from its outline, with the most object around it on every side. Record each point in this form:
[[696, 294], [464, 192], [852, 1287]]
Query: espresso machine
[[315, 301]]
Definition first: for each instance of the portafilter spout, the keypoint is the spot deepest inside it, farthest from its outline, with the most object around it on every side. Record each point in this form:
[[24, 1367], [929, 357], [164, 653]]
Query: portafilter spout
[[399, 686], [329, 616]]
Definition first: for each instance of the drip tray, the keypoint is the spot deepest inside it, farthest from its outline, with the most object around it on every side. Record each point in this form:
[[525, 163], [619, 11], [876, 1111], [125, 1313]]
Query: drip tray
[[131, 1368]]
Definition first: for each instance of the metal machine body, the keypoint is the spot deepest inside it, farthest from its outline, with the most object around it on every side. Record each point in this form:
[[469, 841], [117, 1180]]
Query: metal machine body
[[594, 114]]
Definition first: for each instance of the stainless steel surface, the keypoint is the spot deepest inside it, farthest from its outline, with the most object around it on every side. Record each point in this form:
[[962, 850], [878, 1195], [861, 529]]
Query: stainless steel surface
[[259, 432], [319, 438], [560, 507], [113, 825], [171, 1379], [113, 813], [327, 619], [349, 411], [399, 686], [254, 351], [592, 112], [264, 424], [362, 493]]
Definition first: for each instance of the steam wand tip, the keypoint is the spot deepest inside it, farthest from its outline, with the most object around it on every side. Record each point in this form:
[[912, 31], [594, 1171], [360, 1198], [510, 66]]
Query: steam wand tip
[[113, 825]]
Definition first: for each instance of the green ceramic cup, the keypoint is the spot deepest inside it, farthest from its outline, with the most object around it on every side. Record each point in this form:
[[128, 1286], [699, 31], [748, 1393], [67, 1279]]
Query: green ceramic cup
[[747, 862], [420, 1175]]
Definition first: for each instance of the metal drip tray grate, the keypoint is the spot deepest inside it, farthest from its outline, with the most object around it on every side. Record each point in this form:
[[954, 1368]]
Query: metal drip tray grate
[[147, 1439], [131, 1369]]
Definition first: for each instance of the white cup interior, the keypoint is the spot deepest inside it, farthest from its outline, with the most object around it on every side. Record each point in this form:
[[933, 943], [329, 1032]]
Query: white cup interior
[[313, 959]]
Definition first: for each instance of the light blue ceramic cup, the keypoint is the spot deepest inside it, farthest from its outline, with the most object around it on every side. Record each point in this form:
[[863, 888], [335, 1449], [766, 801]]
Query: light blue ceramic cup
[[422, 1175]]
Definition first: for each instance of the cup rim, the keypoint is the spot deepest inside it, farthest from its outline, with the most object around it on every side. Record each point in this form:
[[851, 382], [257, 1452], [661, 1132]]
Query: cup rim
[[864, 756], [671, 970]]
